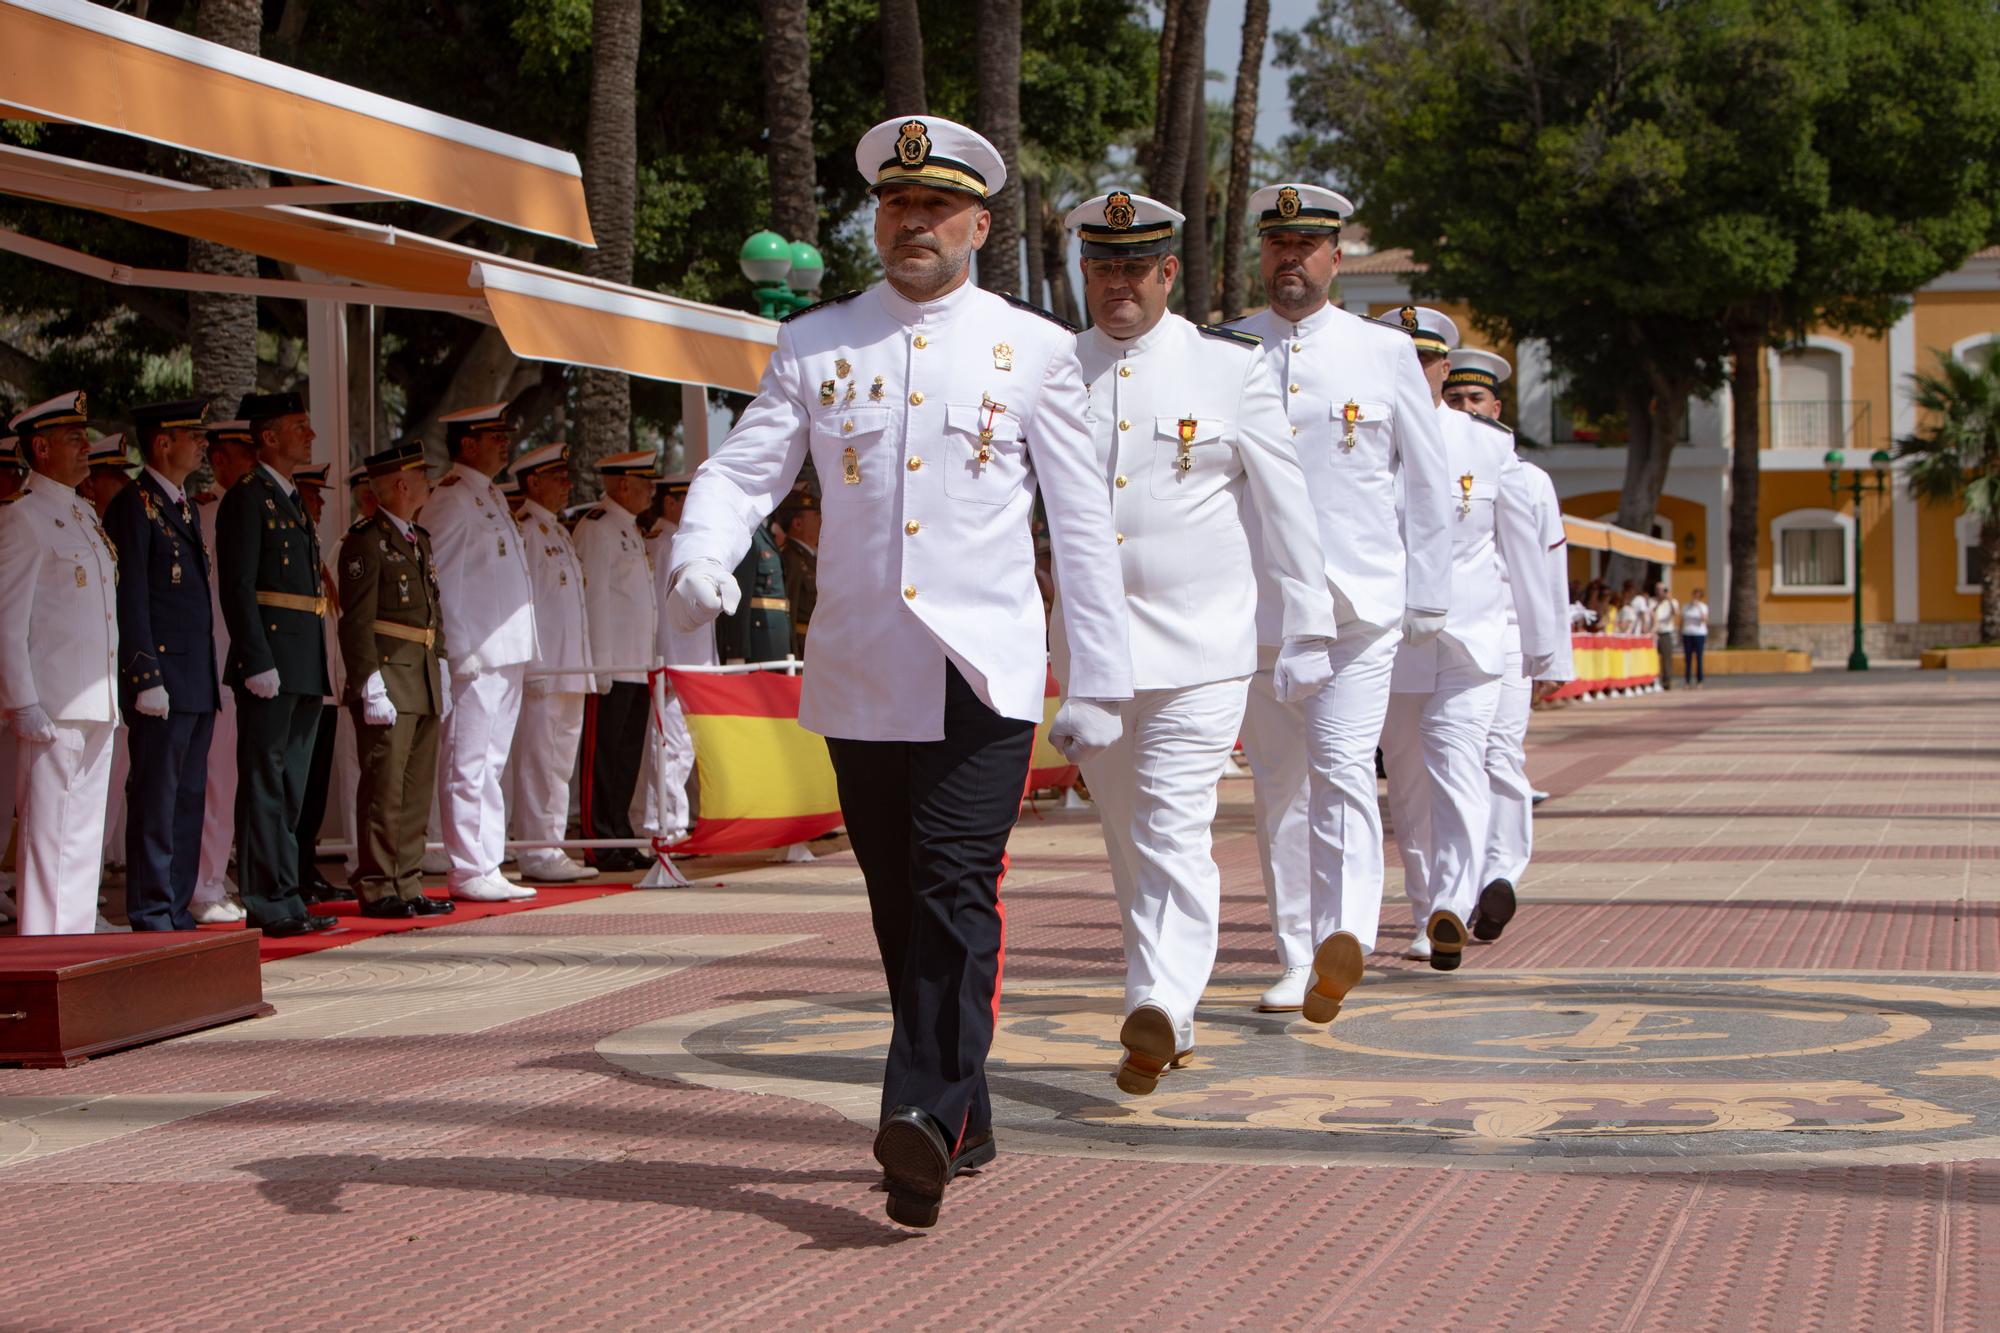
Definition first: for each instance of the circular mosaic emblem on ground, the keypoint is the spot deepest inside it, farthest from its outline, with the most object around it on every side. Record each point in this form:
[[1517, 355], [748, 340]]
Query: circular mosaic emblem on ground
[[1551, 1069]]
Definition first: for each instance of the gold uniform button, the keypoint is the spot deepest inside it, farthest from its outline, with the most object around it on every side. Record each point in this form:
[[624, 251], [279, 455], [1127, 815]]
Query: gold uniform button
[[1123, 424], [923, 341], [909, 592], [1121, 538], [913, 527], [914, 464], [847, 428], [1120, 483], [1295, 388], [1298, 347], [1125, 372], [917, 397]]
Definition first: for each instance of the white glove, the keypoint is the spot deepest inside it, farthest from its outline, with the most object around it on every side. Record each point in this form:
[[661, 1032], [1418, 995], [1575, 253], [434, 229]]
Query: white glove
[[376, 710], [1539, 666], [1303, 670], [32, 724], [444, 689], [153, 701], [1421, 626], [264, 684], [1085, 728], [702, 591], [467, 665]]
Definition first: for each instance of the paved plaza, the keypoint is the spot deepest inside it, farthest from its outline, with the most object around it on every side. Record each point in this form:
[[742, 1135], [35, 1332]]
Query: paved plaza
[[1733, 1068]]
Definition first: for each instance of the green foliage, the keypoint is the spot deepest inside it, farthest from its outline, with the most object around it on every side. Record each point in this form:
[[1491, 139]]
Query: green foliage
[[1954, 459]]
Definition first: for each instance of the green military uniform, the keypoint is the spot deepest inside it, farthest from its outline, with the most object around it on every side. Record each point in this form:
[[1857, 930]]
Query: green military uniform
[[760, 630], [390, 625], [801, 588], [267, 579]]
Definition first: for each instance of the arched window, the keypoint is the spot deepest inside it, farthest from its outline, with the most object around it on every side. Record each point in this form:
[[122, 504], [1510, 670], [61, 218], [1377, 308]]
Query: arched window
[[1814, 552], [1976, 350]]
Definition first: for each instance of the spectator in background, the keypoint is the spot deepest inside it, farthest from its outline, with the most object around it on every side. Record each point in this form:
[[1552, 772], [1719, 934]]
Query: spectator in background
[[1635, 612], [1666, 615], [1694, 638]]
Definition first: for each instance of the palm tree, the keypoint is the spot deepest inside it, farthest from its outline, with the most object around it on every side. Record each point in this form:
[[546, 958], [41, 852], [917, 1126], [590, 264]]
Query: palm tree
[[610, 185], [1242, 142], [223, 328], [1955, 460], [999, 36], [788, 107], [903, 58]]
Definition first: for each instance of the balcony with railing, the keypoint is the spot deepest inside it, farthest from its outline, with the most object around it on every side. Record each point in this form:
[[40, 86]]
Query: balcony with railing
[[1819, 425]]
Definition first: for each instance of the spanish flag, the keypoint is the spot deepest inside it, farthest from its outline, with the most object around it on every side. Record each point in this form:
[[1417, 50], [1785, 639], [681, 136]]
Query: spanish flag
[[765, 781]]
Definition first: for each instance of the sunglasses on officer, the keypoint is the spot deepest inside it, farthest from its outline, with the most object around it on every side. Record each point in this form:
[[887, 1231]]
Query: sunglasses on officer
[[1127, 270]]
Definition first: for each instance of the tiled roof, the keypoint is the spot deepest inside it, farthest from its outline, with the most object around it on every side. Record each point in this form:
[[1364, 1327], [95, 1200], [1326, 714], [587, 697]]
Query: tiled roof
[[1380, 261]]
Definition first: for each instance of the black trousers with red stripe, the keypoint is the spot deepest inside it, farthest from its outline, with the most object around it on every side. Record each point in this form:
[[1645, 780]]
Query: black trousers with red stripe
[[929, 822]]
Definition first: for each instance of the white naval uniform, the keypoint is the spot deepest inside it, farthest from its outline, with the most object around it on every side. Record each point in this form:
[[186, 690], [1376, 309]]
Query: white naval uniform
[[1191, 590], [1510, 836], [618, 593], [59, 650], [1445, 690], [670, 759], [926, 556], [1383, 511], [551, 720], [218, 814], [487, 602]]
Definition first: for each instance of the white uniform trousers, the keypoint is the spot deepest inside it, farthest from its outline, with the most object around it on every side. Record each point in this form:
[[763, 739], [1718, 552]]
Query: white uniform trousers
[[218, 816], [669, 764], [1510, 832], [545, 746], [472, 755], [1434, 749], [114, 812], [1281, 780], [62, 788], [1155, 792]]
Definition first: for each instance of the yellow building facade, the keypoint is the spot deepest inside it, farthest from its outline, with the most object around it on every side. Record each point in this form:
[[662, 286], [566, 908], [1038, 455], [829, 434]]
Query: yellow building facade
[[1835, 391]]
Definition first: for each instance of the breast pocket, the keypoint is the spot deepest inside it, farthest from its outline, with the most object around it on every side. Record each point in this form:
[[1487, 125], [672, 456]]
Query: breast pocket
[[1360, 428], [1193, 471], [851, 451], [986, 458], [1473, 498]]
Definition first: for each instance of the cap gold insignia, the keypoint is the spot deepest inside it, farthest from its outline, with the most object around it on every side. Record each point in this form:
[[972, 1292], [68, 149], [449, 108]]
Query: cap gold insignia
[[1118, 211], [1003, 356], [913, 144], [82, 406], [1408, 314], [841, 368], [1288, 202]]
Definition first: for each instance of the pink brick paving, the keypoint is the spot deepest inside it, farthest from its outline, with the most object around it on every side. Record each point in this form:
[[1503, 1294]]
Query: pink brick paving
[[513, 1178]]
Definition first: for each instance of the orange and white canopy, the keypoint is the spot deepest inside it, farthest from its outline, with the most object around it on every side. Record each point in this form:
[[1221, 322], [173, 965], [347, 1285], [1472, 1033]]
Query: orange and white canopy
[[85, 64], [1594, 536]]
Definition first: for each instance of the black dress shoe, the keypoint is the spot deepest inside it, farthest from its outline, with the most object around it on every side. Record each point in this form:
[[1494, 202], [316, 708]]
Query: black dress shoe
[[1496, 908], [389, 909], [423, 906], [916, 1164], [975, 1152], [319, 891], [299, 925]]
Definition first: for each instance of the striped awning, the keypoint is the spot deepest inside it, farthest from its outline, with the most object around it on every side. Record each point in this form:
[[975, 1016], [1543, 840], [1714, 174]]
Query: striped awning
[[1595, 536]]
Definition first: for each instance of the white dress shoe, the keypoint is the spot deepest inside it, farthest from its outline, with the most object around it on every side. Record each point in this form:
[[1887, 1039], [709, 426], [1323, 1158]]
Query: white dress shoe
[[1538, 797], [1288, 993], [1420, 948], [215, 914], [486, 889], [105, 927], [560, 870]]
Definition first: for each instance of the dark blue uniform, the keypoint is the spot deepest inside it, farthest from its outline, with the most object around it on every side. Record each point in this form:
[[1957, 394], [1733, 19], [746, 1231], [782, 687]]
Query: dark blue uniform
[[165, 638]]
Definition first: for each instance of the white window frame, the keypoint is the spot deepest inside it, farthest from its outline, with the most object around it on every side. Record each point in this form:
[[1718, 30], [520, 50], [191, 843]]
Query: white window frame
[[1811, 518], [1973, 343], [1966, 531]]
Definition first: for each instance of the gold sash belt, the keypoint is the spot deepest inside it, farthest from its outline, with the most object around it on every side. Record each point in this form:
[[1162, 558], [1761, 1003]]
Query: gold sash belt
[[411, 633], [292, 601]]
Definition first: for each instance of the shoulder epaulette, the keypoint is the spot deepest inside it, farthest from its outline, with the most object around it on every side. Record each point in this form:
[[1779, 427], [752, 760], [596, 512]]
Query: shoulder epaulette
[[1232, 335], [361, 524], [1034, 309], [593, 514], [1490, 422], [821, 305], [452, 480], [11, 499]]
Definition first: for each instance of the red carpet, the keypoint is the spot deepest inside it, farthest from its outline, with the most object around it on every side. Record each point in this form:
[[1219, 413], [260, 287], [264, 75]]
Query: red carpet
[[355, 927]]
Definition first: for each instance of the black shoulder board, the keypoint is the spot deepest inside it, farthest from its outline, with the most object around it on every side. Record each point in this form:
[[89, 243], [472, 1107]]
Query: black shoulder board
[[595, 514], [821, 305], [1490, 422], [1034, 309], [1233, 335], [362, 524]]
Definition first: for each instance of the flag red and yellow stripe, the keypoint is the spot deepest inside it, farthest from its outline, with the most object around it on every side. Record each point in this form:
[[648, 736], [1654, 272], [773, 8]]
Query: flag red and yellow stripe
[[765, 781]]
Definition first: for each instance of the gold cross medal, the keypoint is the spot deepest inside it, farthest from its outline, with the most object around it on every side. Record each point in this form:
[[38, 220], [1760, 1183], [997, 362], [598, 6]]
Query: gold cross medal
[[993, 409], [1186, 460], [850, 467], [1465, 494], [1349, 414]]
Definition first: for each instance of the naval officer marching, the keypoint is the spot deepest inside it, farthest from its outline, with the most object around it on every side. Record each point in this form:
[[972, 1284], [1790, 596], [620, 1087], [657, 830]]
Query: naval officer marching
[[1191, 436], [933, 411]]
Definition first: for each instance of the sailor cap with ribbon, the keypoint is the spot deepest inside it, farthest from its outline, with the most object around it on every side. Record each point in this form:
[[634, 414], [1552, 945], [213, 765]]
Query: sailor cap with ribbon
[[1123, 223], [1481, 369], [933, 151]]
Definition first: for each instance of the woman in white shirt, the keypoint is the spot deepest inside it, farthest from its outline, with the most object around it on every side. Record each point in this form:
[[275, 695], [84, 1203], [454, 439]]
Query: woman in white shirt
[[1694, 637]]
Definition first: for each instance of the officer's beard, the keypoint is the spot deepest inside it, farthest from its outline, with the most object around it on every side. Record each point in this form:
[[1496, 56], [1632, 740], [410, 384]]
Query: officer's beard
[[921, 269]]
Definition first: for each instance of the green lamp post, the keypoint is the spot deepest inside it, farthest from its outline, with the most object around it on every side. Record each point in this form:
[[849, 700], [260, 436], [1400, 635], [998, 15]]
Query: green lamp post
[[1858, 485], [784, 275]]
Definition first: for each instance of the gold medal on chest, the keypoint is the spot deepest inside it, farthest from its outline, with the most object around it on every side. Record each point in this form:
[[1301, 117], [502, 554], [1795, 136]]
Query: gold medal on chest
[[1185, 460], [1465, 494], [1349, 414]]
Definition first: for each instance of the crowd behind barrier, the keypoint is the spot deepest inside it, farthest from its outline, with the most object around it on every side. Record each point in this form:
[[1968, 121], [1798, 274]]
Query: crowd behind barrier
[[1609, 663]]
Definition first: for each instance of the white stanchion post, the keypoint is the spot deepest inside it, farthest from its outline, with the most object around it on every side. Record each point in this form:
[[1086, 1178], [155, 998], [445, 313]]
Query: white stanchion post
[[795, 854]]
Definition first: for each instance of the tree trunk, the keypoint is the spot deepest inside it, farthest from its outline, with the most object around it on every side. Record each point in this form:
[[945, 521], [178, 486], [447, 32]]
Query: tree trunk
[[611, 187], [1746, 388], [903, 59], [1242, 143], [1989, 582], [1185, 78], [999, 41], [1163, 91], [1656, 413], [1031, 212], [788, 108], [1197, 257], [223, 329], [1055, 251]]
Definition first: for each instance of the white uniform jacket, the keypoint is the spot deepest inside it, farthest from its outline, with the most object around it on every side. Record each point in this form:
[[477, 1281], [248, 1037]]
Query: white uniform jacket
[[1492, 527], [926, 552], [1381, 558], [1538, 493], [617, 592], [696, 648], [484, 589], [1190, 575], [58, 606], [562, 625]]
